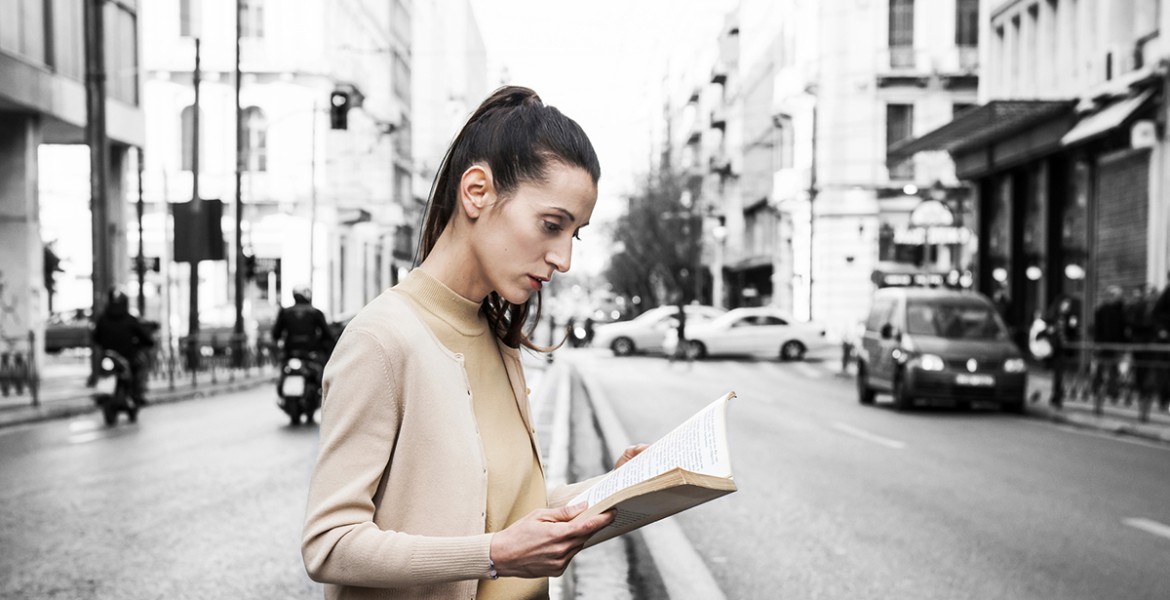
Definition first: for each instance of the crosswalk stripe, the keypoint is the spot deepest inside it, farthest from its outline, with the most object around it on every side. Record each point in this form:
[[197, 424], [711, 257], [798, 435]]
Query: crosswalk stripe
[[1149, 526]]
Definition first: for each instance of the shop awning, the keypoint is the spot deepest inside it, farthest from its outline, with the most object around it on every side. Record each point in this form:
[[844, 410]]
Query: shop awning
[[981, 126], [1106, 119]]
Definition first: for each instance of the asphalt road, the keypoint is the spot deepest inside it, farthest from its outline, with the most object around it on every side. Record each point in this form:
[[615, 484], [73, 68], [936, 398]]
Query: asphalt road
[[837, 500], [200, 499]]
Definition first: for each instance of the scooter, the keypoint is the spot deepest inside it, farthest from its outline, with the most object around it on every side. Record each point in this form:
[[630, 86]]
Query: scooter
[[112, 390], [299, 388]]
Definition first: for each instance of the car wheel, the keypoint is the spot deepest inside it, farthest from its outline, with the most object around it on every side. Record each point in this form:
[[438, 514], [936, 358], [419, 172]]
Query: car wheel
[[792, 350], [902, 399], [622, 346], [696, 350], [865, 394]]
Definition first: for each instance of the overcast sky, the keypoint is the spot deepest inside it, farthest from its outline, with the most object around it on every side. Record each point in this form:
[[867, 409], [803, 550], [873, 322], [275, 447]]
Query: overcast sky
[[602, 63]]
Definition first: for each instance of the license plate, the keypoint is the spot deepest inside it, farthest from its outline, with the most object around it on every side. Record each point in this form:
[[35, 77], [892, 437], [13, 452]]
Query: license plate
[[292, 386], [106, 385], [975, 380]]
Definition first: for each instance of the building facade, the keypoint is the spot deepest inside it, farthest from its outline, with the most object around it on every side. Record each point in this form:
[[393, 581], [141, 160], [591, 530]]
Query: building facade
[[43, 104], [326, 190], [1067, 153]]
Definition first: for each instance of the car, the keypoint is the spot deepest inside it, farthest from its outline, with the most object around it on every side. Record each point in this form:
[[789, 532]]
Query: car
[[757, 331], [939, 344], [68, 330], [646, 332]]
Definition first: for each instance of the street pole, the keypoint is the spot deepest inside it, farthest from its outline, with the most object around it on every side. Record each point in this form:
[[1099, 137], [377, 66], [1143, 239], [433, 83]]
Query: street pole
[[812, 213], [238, 328], [95, 134], [196, 210], [313, 199], [140, 264]]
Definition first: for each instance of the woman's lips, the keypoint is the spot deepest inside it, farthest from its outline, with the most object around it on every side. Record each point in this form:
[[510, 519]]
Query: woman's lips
[[536, 283]]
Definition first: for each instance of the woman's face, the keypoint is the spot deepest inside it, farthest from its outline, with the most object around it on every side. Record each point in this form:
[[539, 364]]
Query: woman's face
[[528, 236]]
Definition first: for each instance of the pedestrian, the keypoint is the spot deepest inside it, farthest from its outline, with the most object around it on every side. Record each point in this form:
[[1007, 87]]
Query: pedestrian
[[682, 350], [1109, 331], [120, 332], [1160, 324], [428, 482], [1139, 330]]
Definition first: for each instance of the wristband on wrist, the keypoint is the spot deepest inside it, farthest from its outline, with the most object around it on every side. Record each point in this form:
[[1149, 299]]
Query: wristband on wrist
[[492, 574]]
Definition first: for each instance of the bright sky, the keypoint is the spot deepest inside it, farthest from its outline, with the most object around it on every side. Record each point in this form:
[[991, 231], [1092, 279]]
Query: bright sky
[[602, 63]]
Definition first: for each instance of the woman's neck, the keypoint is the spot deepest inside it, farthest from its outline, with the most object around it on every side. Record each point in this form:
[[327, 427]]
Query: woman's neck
[[456, 267]]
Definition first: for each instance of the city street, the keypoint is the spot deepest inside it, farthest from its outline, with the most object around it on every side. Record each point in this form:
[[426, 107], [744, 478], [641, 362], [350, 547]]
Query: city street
[[837, 500], [201, 499]]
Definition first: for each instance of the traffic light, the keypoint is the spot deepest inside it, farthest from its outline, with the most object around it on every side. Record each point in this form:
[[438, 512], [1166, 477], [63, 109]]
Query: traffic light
[[339, 110], [250, 267]]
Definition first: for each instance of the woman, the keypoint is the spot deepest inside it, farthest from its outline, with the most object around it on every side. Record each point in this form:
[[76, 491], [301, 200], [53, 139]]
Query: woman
[[428, 482]]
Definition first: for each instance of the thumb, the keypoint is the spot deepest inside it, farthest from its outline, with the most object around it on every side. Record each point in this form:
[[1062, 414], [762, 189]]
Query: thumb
[[568, 513]]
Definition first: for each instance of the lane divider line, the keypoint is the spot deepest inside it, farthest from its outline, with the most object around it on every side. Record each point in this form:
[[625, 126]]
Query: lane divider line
[[867, 436], [1149, 526]]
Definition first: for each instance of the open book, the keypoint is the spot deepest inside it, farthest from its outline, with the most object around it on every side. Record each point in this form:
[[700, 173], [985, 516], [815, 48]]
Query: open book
[[687, 467]]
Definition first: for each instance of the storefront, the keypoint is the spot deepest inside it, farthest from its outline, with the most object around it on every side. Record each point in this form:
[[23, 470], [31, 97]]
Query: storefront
[[1061, 197]]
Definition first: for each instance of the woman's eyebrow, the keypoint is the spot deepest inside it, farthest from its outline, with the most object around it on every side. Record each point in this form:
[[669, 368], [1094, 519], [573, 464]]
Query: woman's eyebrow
[[568, 214]]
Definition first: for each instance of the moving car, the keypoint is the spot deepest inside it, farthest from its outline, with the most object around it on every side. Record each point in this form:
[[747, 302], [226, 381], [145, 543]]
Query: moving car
[[68, 330], [645, 332], [938, 344], [759, 331]]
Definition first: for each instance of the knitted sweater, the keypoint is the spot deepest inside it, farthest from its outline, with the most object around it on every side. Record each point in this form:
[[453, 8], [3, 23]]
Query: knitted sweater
[[398, 499]]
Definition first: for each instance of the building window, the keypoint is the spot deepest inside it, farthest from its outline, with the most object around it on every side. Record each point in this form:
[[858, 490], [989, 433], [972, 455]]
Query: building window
[[188, 138], [899, 126], [967, 23], [256, 139], [252, 18], [186, 16], [401, 82], [901, 33]]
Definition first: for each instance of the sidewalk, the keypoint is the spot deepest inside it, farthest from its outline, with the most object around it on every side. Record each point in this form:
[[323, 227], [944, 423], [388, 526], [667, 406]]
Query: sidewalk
[[1118, 419], [63, 392]]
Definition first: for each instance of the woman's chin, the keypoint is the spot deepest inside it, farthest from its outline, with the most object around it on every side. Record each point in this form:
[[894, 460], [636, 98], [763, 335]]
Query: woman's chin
[[518, 296]]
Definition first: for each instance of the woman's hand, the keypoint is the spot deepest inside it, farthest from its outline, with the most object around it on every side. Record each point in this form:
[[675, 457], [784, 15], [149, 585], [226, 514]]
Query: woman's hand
[[542, 543], [629, 453]]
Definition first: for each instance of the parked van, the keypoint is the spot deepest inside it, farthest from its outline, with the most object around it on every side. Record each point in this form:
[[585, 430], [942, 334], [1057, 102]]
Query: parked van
[[939, 344]]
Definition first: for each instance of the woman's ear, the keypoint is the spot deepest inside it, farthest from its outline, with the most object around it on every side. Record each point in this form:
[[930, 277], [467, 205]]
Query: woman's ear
[[476, 190]]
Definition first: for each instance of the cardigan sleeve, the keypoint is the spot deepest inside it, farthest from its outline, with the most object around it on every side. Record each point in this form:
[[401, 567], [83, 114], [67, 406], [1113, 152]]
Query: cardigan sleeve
[[360, 416]]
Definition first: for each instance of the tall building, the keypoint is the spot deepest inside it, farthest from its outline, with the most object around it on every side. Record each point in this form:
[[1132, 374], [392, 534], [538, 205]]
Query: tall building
[[326, 132], [1066, 154], [43, 103]]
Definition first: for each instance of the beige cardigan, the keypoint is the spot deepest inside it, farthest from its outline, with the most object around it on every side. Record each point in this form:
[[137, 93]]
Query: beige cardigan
[[398, 495]]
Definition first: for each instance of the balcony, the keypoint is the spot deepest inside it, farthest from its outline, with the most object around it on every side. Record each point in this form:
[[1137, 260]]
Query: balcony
[[903, 66], [719, 74]]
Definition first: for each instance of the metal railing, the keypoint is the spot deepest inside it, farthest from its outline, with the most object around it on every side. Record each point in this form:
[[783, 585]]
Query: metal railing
[[18, 371], [1129, 375], [219, 359]]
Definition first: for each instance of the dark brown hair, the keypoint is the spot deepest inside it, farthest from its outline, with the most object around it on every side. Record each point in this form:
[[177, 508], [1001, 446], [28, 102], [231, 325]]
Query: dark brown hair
[[517, 136]]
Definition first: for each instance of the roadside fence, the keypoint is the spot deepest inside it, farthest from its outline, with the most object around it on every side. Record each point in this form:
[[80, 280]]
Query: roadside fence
[[18, 369], [1130, 375]]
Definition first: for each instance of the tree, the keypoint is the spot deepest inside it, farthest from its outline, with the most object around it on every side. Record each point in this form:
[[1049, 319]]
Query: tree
[[657, 243]]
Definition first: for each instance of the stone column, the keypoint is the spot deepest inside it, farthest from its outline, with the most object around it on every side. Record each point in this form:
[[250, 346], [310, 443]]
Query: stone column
[[23, 302], [119, 214]]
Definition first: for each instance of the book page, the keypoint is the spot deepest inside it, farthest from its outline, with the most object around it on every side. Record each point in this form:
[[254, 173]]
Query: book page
[[698, 445]]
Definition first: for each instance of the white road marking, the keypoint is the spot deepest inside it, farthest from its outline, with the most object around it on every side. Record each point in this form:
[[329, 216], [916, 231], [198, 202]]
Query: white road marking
[[81, 438], [1148, 526], [869, 437], [1116, 437], [80, 425]]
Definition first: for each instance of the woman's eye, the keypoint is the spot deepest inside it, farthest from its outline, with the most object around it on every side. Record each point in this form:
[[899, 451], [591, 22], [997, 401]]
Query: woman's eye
[[551, 227]]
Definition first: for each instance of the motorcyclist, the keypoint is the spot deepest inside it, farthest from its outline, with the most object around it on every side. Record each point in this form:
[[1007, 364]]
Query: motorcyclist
[[119, 331], [306, 335]]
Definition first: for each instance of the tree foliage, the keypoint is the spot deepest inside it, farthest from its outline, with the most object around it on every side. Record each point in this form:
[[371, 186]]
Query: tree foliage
[[656, 244]]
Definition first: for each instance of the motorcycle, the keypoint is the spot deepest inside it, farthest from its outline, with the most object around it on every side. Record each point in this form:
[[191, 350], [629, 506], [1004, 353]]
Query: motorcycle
[[299, 388], [113, 389]]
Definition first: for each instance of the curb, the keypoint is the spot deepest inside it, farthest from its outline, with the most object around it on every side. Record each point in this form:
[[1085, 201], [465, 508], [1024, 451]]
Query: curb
[[1103, 424], [83, 405], [683, 571]]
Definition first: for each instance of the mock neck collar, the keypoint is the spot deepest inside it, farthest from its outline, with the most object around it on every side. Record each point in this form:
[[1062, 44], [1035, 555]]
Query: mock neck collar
[[433, 296]]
